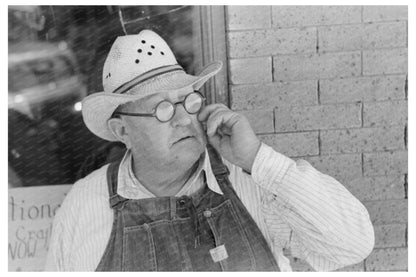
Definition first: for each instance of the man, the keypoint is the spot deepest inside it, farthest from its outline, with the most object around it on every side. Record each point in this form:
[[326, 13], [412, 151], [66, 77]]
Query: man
[[186, 199]]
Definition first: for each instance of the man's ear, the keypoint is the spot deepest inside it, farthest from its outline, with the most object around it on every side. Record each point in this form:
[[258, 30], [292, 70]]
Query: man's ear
[[117, 126]]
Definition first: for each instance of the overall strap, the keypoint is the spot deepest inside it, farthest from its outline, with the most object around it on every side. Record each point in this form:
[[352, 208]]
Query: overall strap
[[112, 183], [221, 172], [253, 232], [218, 167]]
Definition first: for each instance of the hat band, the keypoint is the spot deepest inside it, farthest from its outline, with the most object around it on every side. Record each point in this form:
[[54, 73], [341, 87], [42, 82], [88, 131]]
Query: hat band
[[146, 76]]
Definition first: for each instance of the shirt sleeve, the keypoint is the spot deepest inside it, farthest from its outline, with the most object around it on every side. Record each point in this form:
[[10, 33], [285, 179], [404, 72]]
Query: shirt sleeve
[[329, 227]]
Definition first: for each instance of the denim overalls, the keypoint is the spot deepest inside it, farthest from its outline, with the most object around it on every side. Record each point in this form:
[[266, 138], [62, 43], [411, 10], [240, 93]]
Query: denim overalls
[[204, 232]]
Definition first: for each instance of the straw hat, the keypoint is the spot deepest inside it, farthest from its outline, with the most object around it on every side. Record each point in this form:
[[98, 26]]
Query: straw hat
[[145, 62]]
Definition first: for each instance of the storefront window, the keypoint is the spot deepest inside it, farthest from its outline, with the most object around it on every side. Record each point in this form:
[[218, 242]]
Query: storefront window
[[56, 55]]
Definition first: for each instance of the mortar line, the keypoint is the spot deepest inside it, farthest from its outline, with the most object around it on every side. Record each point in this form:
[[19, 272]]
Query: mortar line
[[406, 84], [406, 235], [405, 136], [364, 263], [308, 53], [362, 114], [287, 28], [406, 187], [362, 165], [319, 143], [385, 200], [318, 91], [334, 129]]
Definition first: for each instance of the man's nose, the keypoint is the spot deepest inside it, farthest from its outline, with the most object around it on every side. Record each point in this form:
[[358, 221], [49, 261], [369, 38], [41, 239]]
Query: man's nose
[[181, 117]]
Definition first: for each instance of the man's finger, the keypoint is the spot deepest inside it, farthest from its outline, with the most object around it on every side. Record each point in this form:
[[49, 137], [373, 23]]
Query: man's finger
[[215, 141], [219, 118], [208, 110]]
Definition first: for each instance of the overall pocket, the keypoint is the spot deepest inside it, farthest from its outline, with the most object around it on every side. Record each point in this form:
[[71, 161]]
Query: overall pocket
[[151, 247], [138, 249], [228, 231]]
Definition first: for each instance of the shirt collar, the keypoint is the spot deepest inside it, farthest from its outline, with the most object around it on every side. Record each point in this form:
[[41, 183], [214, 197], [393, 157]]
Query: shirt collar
[[211, 180], [130, 187]]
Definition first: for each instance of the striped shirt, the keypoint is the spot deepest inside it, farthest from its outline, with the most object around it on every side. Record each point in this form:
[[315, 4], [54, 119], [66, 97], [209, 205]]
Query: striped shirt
[[295, 206]]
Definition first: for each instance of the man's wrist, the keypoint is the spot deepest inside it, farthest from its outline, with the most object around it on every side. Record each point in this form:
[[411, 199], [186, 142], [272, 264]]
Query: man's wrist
[[251, 158]]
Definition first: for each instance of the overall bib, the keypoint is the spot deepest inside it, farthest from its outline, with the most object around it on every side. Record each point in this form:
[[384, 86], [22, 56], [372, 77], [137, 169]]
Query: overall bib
[[203, 232]]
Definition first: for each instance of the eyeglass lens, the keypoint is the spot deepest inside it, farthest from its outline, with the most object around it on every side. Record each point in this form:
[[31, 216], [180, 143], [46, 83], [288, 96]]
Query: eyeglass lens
[[192, 104], [164, 111]]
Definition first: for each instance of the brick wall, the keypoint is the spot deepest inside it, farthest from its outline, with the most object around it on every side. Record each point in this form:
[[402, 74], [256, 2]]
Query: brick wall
[[328, 84]]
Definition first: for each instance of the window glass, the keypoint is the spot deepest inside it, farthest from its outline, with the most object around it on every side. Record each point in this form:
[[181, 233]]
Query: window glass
[[21, 76], [56, 55], [63, 68]]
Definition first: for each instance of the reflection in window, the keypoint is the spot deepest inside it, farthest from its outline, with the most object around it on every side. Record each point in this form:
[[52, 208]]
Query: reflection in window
[[20, 77]]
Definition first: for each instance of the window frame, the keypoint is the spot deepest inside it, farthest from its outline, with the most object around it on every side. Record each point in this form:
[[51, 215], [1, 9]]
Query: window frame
[[213, 45]]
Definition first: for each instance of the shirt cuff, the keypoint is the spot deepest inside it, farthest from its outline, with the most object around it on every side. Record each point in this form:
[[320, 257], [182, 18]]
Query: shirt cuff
[[269, 166]]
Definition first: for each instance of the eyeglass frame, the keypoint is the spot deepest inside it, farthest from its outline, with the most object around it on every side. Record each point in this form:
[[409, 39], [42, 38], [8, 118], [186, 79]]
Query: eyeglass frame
[[153, 114]]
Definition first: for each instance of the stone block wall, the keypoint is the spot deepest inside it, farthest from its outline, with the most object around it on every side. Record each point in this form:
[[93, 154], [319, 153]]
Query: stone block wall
[[328, 84]]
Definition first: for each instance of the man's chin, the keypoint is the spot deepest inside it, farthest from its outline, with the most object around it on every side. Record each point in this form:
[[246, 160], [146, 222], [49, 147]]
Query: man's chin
[[189, 151]]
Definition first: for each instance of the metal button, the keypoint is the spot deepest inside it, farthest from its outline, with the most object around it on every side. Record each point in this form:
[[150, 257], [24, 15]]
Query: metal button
[[207, 213]]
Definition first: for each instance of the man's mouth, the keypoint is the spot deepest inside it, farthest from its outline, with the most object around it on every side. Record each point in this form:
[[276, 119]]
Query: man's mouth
[[184, 138]]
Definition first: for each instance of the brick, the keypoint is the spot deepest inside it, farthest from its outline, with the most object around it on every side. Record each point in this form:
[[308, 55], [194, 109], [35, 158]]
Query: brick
[[384, 13], [303, 118], [263, 96], [376, 188], [385, 35], [385, 61], [362, 89], [248, 17], [390, 235], [253, 70], [290, 16], [293, 144], [260, 120], [385, 163], [340, 38], [362, 140], [341, 167], [388, 259], [272, 42], [362, 36], [317, 66], [353, 268], [385, 113], [387, 211]]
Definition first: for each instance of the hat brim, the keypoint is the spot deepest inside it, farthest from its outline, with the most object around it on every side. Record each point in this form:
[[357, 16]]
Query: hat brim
[[97, 108]]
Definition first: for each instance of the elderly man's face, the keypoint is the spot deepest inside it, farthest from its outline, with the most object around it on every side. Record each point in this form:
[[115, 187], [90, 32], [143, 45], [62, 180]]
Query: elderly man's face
[[176, 143]]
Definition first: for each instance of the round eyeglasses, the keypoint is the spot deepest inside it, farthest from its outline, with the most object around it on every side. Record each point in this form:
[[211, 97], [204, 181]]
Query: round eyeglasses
[[165, 110]]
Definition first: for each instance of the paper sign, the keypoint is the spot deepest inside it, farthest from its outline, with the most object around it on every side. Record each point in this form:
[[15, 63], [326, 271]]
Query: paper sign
[[31, 212]]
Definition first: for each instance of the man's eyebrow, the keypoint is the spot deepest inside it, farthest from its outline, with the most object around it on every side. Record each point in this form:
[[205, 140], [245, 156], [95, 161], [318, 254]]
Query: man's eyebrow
[[151, 101]]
